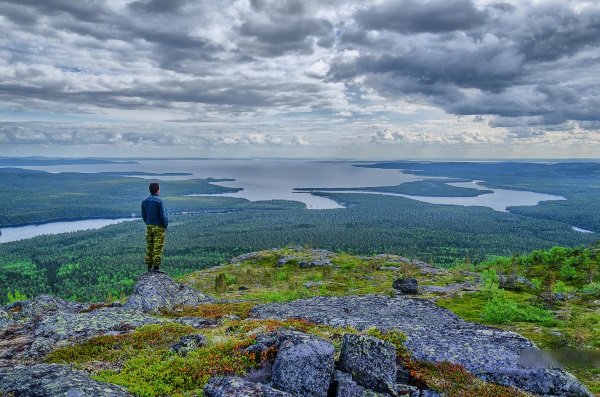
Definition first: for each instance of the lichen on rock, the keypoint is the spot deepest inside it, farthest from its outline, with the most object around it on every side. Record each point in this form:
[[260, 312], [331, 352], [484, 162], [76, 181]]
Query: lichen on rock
[[304, 366], [370, 361]]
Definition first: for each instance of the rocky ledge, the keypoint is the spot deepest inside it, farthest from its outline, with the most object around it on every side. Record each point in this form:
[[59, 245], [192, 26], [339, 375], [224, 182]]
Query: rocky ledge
[[305, 365], [436, 334]]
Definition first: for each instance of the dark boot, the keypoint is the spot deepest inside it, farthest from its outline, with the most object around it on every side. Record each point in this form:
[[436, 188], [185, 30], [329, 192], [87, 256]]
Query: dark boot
[[157, 270], [149, 268]]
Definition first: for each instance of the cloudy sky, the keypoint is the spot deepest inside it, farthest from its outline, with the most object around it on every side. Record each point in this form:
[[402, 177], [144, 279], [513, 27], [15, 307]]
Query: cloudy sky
[[300, 78]]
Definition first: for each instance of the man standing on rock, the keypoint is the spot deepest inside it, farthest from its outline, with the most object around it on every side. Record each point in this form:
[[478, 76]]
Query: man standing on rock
[[154, 213]]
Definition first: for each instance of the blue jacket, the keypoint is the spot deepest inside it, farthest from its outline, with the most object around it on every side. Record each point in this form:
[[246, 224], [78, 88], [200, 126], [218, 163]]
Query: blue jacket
[[154, 211]]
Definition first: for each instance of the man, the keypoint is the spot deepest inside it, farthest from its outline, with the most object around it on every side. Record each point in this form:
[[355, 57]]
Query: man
[[154, 213]]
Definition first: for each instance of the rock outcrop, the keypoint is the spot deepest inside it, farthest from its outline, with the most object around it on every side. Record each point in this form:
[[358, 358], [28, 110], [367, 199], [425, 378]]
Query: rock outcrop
[[188, 344], [157, 291], [436, 334], [30, 329]]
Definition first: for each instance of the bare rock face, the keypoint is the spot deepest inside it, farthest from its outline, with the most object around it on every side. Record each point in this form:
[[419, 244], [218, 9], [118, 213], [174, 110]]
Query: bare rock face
[[50, 380], [304, 366], [157, 291], [436, 334], [231, 386]]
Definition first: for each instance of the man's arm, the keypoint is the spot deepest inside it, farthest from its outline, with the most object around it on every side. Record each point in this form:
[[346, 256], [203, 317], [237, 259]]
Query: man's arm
[[143, 212], [164, 216]]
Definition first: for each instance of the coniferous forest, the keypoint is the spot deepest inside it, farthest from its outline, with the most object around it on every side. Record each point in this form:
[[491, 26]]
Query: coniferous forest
[[206, 230]]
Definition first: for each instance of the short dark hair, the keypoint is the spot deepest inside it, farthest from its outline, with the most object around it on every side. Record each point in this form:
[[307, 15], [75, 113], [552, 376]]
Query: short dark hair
[[154, 187]]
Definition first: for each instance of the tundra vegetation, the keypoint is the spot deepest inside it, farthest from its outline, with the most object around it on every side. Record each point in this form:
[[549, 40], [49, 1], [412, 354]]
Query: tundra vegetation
[[498, 292]]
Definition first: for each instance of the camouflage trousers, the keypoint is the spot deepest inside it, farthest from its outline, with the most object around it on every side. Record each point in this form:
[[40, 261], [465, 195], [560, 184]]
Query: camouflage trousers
[[155, 242]]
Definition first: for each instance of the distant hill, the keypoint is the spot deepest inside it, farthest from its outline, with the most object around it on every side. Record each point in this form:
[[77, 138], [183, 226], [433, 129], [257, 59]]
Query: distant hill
[[44, 161]]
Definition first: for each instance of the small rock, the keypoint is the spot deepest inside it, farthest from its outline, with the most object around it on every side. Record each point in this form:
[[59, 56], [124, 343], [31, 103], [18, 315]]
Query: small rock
[[196, 322], [188, 344], [285, 260], [229, 317], [431, 393], [310, 284], [406, 285]]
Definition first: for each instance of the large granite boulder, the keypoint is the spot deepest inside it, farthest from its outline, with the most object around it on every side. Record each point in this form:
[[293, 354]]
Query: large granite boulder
[[436, 334], [370, 361], [157, 291], [304, 366], [51, 380], [231, 386]]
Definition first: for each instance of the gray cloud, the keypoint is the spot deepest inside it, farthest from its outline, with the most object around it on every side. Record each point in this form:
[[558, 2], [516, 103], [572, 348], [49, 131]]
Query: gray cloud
[[274, 28], [158, 6], [529, 68], [418, 16], [506, 60]]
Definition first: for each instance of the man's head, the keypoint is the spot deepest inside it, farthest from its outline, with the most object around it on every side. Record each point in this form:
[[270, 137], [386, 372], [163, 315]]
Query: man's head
[[154, 187]]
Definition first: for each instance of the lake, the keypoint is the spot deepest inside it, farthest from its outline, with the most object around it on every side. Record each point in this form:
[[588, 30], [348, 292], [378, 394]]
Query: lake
[[263, 179], [23, 232]]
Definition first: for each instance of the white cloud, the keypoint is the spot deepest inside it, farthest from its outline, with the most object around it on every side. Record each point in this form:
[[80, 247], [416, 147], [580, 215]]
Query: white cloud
[[300, 141]]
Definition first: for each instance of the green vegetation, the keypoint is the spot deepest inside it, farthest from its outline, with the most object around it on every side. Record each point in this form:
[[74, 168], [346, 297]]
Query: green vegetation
[[558, 309], [142, 361]]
